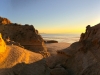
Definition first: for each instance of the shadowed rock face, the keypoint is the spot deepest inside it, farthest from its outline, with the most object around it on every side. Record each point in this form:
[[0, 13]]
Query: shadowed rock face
[[91, 38], [26, 35], [83, 57]]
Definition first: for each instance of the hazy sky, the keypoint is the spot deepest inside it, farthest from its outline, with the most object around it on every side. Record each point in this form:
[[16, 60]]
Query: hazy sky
[[53, 16]]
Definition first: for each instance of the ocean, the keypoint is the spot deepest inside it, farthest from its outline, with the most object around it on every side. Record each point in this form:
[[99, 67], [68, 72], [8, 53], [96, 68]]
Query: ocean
[[67, 38]]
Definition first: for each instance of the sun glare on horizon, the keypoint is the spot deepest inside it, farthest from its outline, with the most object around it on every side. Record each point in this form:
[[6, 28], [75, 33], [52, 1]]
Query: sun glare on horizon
[[62, 31]]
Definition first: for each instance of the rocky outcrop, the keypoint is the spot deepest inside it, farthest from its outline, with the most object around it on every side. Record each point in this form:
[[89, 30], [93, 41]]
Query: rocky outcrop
[[50, 41], [4, 21], [26, 35], [15, 60], [82, 57]]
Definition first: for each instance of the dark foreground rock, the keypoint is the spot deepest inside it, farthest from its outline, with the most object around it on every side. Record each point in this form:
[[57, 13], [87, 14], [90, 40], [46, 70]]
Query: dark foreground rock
[[59, 71]]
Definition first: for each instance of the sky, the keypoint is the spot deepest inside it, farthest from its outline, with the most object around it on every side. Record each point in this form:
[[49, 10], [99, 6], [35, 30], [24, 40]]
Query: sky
[[52, 16]]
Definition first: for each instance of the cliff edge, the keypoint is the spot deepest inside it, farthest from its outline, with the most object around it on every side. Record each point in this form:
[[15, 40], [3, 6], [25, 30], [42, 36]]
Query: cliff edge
[[25, 35]]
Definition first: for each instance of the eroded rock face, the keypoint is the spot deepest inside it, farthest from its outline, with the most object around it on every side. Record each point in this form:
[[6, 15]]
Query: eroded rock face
[[26, 35], [83, 57], [15, 60]]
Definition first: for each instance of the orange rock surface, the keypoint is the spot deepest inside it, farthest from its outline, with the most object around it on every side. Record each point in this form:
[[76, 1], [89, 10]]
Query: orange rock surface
[[4, 21]]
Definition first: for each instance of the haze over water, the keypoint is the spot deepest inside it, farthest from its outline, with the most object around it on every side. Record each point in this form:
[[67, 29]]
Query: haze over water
[[67, 38]]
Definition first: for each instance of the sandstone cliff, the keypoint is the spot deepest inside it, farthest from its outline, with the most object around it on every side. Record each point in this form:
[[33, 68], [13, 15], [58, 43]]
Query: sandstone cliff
[[26, 35], [82, 57], [18, 61]]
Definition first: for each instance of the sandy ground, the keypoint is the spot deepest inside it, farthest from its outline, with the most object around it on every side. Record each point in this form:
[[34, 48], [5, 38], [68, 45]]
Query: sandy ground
[[53, 47]]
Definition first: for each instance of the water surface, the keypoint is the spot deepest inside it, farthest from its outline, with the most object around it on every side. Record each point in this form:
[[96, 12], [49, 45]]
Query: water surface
[[68, 38]]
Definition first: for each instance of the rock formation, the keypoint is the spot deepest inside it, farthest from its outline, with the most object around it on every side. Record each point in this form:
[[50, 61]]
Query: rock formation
[[4, 21], [15, 60], [50, 41], [82, 57], [26, 35]]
